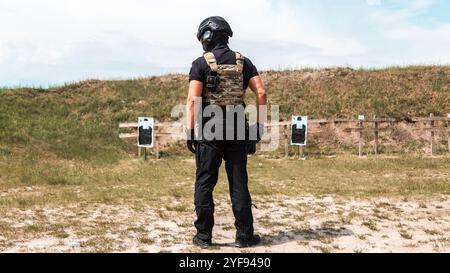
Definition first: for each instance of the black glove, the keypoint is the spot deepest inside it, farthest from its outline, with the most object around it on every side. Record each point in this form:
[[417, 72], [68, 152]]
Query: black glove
[[191, 142], [251, 147], [259, 129]]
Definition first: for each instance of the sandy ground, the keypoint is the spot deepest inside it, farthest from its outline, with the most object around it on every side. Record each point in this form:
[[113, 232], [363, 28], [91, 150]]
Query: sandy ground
[[287, 224]]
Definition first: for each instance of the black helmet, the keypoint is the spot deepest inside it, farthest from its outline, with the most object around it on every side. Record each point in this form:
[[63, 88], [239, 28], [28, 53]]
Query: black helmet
[[213, 24]]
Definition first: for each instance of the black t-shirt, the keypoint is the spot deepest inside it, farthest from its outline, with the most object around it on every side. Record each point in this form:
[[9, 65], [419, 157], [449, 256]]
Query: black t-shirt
[[224, 55]]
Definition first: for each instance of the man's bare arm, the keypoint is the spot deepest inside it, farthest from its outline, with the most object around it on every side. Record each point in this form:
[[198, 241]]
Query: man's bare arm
[[195, 91], [257, 87]]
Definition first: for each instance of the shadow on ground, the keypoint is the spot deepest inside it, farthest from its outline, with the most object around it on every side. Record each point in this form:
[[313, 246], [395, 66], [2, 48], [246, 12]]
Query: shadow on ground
[[304, 235], [297, 235]]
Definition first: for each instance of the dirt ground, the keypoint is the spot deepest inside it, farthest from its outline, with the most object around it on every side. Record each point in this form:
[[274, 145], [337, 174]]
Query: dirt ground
[[287, 224]]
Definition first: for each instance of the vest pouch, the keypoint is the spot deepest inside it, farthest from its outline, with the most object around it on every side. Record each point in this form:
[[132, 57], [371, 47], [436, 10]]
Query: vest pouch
[[251, 147], [212, 81]]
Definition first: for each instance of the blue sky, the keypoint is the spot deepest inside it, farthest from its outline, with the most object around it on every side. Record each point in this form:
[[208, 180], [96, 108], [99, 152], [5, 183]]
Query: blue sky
[[50, 42]]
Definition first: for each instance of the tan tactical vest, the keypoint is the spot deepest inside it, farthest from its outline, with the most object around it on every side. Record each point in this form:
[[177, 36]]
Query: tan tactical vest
[[230, 90]]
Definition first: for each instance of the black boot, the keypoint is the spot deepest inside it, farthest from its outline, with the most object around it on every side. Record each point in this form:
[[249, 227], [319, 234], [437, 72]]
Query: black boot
[[200, 243], [242, 243]]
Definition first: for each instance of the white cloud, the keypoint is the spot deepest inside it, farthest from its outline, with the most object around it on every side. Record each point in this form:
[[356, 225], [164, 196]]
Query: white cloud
[[406, 10], [373, 2], [52, 41], [403, 40]]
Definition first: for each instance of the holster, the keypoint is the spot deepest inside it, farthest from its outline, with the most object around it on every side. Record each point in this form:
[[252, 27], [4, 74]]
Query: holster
[[251, 147], [251, 144]]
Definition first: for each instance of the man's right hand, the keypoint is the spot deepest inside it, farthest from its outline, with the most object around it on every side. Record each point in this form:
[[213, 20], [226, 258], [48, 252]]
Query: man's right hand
[[191, 142]]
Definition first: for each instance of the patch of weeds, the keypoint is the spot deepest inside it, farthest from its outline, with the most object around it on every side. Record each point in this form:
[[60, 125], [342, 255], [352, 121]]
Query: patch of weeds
[[432, 232], [98, 244], [299, 218], [266, 222], [146, 240], [411, 245], [329, 224], [326, 239], [444, 240], [405, 234], [57, 180], [303, 242], [185, 224], [162, 214], [35, 228], [167, 242], [362, 237], [302, 207], [177, 193], [177, 208], [320, 210], [214, 247], [436, 246], [139, 229], [6, 229], [384, 205], [59, 232], [380, 214], [163, 229], [371, 225], [347, 219], [323, 249], [228, 227]]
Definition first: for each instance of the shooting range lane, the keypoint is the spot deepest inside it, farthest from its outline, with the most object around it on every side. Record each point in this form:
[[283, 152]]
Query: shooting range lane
[[371, 133]]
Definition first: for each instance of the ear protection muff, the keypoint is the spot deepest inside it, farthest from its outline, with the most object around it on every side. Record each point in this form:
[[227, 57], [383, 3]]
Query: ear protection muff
[[207, 36], [206, 39]]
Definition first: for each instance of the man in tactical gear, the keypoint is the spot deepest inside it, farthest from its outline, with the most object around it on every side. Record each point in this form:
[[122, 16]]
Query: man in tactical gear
[[220, 77]]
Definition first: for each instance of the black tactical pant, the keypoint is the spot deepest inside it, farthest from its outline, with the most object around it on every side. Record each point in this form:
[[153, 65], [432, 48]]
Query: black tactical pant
[[208, 159]]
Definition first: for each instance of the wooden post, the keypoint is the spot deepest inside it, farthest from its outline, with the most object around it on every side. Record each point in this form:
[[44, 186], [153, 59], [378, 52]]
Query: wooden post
[[145, 154], [139, 152], [300, 152], [360, 139], [286, 148], [448, 128], [431, 133], [376, 135], [286, 142], [157, 147]]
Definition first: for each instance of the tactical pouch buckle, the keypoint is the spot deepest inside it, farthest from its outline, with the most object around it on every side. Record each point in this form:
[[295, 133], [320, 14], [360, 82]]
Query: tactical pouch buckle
[[212, 81]]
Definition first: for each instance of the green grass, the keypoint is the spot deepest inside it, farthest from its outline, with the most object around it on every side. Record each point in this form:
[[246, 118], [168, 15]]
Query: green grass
[[79, 120], [132, 180], [63, 141], [392, 92]]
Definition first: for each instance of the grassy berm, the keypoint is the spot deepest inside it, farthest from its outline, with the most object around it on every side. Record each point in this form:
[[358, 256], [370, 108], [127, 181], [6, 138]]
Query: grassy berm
[[66, 137]]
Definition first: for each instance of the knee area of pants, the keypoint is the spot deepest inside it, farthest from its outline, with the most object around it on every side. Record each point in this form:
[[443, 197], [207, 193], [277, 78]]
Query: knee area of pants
[[241, 202]]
